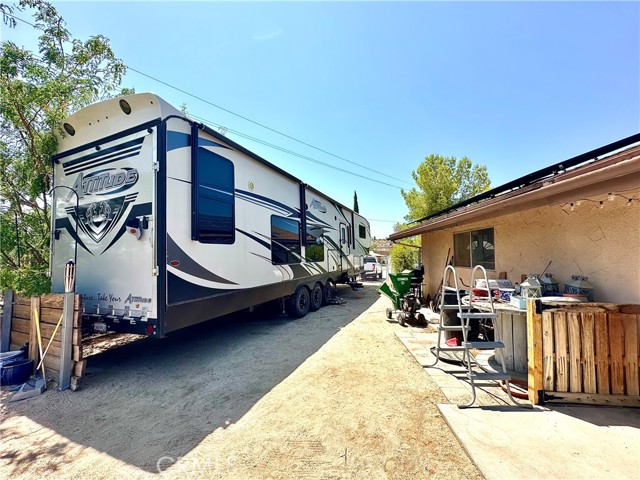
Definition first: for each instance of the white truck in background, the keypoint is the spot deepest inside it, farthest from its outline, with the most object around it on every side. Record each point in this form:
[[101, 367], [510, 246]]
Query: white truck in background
[[372, 267]]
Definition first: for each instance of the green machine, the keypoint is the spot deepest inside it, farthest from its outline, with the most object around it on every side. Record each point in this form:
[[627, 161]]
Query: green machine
[[406, 301]]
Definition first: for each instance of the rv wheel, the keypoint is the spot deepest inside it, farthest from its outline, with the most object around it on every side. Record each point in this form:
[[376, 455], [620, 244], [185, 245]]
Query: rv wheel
[[299, 302], [316, 297], [327, 293]]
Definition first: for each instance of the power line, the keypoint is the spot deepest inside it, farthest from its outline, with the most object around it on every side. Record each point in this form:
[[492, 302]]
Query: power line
[[291, 152], [271, 145], [263, 125]]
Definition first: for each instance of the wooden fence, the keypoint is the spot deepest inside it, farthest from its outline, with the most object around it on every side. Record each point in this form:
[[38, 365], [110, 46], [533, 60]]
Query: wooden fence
[[586, 353], [48, 309]]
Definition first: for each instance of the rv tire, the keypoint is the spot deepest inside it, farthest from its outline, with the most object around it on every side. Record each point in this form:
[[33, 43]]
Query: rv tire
[[317, 297], [327, 292], [299, 302]]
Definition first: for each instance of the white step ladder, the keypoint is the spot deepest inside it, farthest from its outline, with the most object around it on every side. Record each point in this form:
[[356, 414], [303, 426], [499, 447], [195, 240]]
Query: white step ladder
[[465, 315]]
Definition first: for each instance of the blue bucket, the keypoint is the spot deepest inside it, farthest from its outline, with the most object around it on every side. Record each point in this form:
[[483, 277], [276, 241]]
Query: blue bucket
[[16, 373], [14, 356]]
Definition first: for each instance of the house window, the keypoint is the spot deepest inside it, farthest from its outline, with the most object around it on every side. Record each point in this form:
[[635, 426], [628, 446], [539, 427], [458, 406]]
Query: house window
[[285, 240], [474, 248], [362, 231], [213, 197], [314, 246]]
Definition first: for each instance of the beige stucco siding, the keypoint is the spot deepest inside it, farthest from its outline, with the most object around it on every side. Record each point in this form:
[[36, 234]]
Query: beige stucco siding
[[603, 244]]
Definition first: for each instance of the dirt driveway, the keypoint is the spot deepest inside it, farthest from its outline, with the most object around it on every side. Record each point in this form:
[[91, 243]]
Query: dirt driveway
[[331, 395]]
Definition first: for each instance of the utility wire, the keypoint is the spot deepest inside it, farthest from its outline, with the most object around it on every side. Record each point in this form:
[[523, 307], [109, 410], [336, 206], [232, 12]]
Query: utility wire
[[263, 126], [290, 152]]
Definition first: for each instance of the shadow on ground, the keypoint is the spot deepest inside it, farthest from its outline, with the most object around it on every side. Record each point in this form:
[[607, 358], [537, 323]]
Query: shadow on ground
[[600, 415], [155, 398]]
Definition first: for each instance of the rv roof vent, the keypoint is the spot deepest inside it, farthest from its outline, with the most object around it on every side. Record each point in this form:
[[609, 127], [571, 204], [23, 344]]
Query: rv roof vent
[[125, 107], [69, 129]]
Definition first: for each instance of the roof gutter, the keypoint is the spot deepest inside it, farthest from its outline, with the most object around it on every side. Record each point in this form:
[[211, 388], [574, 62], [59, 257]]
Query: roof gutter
[[618, 172], [539, 175]]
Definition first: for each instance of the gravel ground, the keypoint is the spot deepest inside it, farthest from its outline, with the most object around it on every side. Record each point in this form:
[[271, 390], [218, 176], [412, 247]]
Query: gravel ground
[[331, 395]]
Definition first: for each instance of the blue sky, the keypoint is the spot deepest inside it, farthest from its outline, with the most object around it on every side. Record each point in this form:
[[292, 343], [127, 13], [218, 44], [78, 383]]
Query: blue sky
[[514, 86]]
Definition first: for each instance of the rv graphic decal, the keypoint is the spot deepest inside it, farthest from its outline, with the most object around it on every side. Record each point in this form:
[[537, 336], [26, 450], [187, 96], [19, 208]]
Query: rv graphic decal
[[97, 219], [103, 182], [104, 156], [135, 299], [315, 203]]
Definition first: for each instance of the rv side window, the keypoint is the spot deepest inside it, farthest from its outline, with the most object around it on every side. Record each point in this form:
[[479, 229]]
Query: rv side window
[[214, 199], [314, 246], [285, 240], [362, 231]]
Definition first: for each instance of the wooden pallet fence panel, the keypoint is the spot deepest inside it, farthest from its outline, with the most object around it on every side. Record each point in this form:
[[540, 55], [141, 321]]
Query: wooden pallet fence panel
[[561, 351], [52, 365], [50, 316], [18, 339], [21, 311], [548, 351], [630, 327], [603, 383], [575, 366], [33, 337], [20, 300], [52, 300], [21, 325], [534, 352], [78, 368], [616, 352], [588, 353], [77, 336], [48, 309]]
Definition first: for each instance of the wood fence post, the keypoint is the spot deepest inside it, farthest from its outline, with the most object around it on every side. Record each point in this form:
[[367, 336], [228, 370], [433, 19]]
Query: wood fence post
[[33, 336], [7, 311], [534, 350]]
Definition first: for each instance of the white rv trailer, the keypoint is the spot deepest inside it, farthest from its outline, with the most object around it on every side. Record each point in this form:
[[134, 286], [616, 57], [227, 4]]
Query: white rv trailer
[[171, 223]]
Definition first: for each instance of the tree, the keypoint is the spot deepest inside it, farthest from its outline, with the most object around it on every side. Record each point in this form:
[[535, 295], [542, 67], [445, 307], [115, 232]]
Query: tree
[[404, 255], [442, 182], [37, 91], [356, 208]]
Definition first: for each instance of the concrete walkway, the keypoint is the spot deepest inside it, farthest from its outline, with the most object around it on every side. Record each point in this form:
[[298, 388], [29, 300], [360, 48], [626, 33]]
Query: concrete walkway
[[524, 442]]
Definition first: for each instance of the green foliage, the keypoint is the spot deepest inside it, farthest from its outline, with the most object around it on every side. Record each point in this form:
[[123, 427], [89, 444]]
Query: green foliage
[[443, 181], [37, 91], [356, 207], [405, 255]]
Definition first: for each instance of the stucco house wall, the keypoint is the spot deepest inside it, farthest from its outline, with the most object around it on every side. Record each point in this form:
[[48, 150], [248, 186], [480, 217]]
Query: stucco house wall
[[601, 243]]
